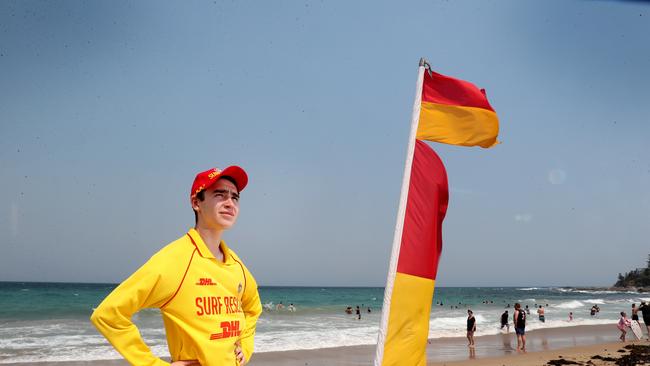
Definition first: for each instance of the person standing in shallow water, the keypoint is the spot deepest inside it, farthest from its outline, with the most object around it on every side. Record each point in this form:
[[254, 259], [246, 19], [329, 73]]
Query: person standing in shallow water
[[540, 312], [471, 328], [504, 321], [519, 319]]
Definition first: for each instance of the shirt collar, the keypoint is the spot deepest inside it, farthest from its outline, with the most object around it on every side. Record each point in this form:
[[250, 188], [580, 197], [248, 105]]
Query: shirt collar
[[203, 249]]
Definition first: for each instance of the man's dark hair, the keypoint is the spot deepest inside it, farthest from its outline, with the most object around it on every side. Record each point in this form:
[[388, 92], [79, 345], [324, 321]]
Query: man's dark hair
[[201, 196]]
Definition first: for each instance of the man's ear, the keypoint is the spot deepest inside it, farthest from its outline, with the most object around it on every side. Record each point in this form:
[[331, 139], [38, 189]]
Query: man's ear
[[195, 203]]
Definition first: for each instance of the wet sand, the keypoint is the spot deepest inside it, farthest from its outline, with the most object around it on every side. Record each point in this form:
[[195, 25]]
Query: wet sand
[[580, 342]]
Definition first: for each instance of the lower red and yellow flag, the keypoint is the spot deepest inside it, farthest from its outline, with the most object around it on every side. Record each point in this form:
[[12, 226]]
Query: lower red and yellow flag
[[407, 328]]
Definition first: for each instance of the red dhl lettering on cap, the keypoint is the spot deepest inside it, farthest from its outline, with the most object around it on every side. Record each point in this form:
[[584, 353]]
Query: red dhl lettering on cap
[[215, 305], [214, 173]]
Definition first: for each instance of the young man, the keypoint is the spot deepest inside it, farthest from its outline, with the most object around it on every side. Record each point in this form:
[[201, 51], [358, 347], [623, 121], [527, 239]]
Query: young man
[[208, 298], [519, 319]]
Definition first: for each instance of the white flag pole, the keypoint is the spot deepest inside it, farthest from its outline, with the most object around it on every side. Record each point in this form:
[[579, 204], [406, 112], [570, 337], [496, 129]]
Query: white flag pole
[[399, 226]]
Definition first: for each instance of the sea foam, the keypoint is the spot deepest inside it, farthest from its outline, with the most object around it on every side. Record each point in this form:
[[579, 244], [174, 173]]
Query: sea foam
[[573, 304]]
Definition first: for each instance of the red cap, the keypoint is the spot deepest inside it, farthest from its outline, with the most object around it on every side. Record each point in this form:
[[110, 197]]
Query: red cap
[[206, 179]]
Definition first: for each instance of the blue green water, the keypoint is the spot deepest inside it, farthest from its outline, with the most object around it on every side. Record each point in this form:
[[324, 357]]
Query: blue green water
[[49, 321]]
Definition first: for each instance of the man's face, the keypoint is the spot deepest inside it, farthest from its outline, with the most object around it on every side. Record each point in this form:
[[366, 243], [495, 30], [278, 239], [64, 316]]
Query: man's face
[[220, 208]]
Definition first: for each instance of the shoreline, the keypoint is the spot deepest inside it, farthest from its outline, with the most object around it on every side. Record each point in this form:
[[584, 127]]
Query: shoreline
[[542, 344]]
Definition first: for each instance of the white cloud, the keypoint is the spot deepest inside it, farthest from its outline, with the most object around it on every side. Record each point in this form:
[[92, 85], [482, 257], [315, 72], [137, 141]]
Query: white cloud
[[525, 217], [556, 176]]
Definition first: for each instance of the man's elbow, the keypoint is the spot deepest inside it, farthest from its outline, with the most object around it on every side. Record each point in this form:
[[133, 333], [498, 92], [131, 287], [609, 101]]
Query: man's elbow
[[99, 317], [95, 317]]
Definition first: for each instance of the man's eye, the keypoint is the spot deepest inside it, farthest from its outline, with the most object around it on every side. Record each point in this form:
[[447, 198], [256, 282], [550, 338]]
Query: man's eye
[[236, 198]]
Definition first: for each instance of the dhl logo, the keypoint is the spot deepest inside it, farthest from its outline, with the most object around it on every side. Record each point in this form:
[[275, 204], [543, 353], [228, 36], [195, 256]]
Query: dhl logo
[[205, 282], [229, 329]]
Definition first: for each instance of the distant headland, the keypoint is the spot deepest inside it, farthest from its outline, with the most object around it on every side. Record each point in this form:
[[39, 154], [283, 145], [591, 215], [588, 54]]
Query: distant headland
[[637, 279]]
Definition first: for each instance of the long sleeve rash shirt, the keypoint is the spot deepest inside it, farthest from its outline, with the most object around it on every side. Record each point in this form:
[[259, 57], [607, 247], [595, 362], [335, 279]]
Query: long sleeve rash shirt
[[207, 305]]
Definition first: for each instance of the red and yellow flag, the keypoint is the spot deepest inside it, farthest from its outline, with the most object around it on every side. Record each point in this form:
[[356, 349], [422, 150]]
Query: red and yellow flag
[[450, 111], [420, 247], [456, 112]]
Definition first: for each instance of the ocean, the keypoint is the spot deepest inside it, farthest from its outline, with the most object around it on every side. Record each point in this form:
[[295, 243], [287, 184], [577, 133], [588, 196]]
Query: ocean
[[49, 321]]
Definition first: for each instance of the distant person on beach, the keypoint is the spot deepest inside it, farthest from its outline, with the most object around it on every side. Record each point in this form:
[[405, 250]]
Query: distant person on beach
[[635, 314], [291, 308], [645, 312], [540, 313], [504, 321], [527, 310], [208, 299], [519, 319], [358, 313], [622, 325], [570, 316], [471, 328], [348, 310], [592, 312], [369, 311], [279, 307]]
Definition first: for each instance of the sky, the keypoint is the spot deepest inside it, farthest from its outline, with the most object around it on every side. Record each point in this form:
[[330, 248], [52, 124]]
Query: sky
[[108, 109]]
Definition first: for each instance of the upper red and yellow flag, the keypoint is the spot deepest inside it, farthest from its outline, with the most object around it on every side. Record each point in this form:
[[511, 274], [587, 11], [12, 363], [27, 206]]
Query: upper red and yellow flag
[[456, 112]]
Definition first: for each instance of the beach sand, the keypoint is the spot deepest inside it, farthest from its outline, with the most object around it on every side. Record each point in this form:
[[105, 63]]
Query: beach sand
[[570, 343]]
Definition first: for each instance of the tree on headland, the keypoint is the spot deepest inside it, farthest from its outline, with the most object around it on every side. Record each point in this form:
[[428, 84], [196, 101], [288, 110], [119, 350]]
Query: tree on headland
[[639, 277]]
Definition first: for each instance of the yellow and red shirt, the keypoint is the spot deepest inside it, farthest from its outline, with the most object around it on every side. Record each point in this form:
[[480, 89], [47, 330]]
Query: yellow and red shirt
[[207, 305]]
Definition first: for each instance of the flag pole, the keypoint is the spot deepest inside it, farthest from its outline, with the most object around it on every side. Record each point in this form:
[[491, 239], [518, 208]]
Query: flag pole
[[401, 211]]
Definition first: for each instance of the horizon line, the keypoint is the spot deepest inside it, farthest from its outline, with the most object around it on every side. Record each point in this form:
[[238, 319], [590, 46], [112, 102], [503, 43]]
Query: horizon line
[[340, 286]]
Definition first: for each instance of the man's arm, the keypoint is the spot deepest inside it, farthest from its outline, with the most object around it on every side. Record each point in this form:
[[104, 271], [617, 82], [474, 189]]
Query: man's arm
[[145, 288], [252, 308]]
